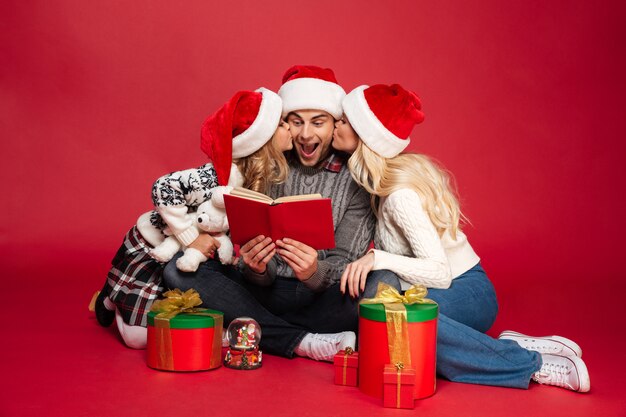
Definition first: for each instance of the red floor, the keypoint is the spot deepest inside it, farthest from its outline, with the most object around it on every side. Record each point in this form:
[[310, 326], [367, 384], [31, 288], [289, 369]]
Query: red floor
[[59, 362]]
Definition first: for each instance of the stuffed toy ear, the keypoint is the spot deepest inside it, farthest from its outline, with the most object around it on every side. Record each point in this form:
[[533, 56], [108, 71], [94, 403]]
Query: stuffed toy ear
[[217, 195]]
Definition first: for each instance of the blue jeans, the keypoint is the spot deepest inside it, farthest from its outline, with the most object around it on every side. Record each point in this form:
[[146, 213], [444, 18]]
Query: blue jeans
[[286, 311], [464, 352]]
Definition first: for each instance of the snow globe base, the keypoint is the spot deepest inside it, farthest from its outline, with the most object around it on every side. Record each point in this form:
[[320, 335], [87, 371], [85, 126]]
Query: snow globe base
[[244, 359]]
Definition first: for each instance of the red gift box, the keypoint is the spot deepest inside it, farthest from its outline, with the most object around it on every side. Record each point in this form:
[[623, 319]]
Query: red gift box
[[187, 342], [346, 366], [398, 385], [374, 348]]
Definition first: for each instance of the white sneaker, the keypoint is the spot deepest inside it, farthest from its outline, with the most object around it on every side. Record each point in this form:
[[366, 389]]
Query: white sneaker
[[563, 371], [324, 346], [555, 345]]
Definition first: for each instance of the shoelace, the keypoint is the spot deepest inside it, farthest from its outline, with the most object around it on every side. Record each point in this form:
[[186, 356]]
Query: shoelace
[[326, 338], [324, 349], [543, 348], [553, 374]]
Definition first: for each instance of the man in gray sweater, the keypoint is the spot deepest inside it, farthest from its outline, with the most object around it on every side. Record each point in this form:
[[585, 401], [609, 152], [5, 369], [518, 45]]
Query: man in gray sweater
[[291, 289]]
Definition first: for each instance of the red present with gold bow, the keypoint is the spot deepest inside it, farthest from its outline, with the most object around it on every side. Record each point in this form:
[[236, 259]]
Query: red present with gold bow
[[182, 337], [398, 385], [395, 328], [346, 365]]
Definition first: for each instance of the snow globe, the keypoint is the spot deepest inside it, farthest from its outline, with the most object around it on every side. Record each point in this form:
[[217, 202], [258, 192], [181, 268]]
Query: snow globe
[[244, 335]]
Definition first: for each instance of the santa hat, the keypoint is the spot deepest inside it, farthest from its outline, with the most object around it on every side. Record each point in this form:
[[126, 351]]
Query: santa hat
[[239, 128], [383, 116], [313, 88]]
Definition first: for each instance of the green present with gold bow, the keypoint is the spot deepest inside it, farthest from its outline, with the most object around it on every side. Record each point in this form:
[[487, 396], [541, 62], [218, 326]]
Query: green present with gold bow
[[398, 329], [183, 337]]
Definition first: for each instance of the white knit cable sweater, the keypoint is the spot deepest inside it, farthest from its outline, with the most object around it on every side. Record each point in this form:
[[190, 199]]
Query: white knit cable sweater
[[408, 244]]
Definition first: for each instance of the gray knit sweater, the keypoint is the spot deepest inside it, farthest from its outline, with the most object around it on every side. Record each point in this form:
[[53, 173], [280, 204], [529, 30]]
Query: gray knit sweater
[[353, 219]]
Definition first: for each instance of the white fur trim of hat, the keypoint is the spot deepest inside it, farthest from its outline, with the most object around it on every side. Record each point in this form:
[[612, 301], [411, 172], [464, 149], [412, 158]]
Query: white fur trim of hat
[[371, 130], [263, 127], [312, 94]]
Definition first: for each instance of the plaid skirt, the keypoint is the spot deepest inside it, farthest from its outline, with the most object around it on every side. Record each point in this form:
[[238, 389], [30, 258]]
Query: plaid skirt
[[134, 281]]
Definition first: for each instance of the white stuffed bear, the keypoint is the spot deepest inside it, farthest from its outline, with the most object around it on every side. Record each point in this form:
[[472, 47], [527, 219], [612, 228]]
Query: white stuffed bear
[[211, 218]]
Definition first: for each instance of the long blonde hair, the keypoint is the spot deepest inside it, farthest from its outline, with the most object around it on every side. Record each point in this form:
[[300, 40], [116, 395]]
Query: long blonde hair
[[382, 176], [263, 168]]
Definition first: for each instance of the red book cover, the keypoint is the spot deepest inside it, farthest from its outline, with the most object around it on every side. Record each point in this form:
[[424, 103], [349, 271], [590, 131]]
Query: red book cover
[[308, 220]]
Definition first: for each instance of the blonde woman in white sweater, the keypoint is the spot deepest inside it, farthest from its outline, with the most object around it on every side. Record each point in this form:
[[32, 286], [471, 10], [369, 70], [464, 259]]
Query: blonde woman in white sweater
[[419, 239]]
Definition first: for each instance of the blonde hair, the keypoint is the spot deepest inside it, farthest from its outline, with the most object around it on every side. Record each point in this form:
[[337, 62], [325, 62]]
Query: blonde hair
[[263, 168], [382, 176]]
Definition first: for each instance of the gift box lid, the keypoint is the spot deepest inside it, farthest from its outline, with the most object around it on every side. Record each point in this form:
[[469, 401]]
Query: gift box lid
[[353, 359], [414, 312], [390, 375], [189, 320]]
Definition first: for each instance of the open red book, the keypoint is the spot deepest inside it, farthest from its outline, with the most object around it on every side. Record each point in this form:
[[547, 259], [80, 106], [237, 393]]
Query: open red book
[[305, 218]]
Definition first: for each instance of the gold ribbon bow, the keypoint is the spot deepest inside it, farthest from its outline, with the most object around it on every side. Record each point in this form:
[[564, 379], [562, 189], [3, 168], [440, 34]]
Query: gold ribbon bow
[[386, 294], [177, 302], [396, 318]]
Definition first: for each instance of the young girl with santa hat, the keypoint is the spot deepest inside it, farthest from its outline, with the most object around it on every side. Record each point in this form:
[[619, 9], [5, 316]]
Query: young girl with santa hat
[[244, 140], [418, 237]]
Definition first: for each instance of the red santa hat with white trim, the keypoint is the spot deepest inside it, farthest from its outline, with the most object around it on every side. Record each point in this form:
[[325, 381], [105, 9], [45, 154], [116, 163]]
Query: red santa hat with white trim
[[307, 87], [239, 128], [383, 116]]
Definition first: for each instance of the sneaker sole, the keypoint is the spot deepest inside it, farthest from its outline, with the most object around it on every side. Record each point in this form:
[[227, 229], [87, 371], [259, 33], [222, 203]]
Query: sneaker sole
[[566, 343], [583, 374]]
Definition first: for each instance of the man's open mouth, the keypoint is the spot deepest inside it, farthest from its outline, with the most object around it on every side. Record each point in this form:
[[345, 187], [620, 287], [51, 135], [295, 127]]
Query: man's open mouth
[[308, 149]]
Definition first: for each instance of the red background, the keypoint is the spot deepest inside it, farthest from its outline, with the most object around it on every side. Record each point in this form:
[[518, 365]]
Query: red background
[[524, 103]]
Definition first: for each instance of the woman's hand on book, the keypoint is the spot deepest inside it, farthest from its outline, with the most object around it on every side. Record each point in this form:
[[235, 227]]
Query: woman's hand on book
[[354, 276], [300, 257], [257, 253]]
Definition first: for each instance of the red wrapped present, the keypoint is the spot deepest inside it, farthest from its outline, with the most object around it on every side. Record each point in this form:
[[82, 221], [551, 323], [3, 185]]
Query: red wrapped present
[[398, 385], [413, 341], [346, 365], [182, 337]]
